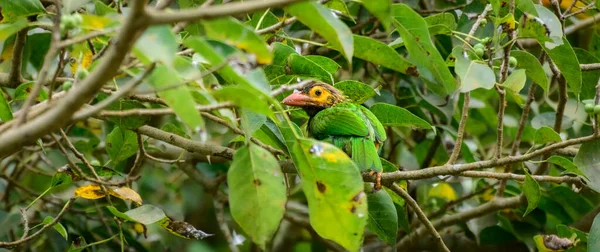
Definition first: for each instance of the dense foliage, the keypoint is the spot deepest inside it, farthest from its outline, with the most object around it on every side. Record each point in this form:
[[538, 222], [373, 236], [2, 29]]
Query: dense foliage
[[158, 125]]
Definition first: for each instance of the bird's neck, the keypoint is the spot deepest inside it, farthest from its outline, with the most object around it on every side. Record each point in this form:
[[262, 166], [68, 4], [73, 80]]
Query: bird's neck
[[312, 111]]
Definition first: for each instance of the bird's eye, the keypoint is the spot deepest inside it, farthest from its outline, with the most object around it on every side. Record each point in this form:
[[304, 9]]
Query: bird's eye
[[318, 92]]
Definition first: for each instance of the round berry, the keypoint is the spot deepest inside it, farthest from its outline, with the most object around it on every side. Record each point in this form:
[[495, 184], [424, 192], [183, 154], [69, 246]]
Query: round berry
[[512, 61], [479, 52], [82, 73], [597, 109], [589, 108], [67, 85]]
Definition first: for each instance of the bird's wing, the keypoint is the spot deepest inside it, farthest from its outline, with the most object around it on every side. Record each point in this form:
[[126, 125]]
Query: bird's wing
[[339, 120]]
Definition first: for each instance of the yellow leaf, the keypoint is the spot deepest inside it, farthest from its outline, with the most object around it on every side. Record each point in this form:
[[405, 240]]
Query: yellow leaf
[[81, 58], [443, 190], [91, 22], [126, 193], [89, 192]]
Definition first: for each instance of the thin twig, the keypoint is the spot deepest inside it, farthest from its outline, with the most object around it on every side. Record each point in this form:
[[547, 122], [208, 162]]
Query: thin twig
[[14, 77], [223, 225], [42, 230], [461, 129], [420, 214]]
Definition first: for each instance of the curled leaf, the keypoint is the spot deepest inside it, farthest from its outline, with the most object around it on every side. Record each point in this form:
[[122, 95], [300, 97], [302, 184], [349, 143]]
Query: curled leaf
[[89, 192], [126, 193]]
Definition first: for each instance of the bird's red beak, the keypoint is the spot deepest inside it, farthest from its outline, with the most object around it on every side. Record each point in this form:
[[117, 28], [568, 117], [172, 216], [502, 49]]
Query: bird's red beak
[[298, 99]]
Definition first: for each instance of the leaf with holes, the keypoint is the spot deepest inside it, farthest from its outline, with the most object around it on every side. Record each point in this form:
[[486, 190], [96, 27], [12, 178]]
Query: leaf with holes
[[323, 22], [334, 190], [383, 219], [121, 144], [257, 192]]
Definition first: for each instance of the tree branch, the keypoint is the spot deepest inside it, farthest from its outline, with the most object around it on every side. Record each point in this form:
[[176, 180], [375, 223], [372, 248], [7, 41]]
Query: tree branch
[[415, 207], [17, 137], [14, 77], [224, 10]]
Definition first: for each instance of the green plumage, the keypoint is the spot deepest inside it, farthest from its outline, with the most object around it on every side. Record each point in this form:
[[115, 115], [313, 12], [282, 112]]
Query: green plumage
[[354, 129]]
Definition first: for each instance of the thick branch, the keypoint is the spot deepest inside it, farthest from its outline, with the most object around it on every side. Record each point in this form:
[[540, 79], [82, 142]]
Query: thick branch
[[216, 11], [458, 168], [17, 137]]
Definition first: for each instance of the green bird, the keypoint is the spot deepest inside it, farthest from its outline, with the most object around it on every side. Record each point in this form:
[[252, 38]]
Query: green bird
[[349, 126]]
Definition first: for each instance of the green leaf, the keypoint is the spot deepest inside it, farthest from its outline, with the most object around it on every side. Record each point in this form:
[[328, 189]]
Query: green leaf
[[23, 90], [121, 144], [300, 65], [356, 91], [244, 97], [340, 5], [391, 115], [566, 164], [565, 59], [533, 68], [257, 192], [526, 6], [546, 135], [231, 30], [531, 189], [157, 44], [146, 214], [547, 30], [588, 162], [179, 99], [473, 74], [213, 57], [251, 121], [5, 109], [594, 236], [441, 23], [12, 9], [60, 178], [374, 51], [334, 190], [322, 21], [589, 78], [415, 33], [383, 219], [516, 80], [495, 235], [58, 227], [381, 9], [573, 203], [118, 213], [8, 29], [324, 62], [129, 122]]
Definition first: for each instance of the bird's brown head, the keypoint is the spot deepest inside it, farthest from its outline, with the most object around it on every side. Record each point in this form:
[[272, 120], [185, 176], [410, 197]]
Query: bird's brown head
[[315, 95]]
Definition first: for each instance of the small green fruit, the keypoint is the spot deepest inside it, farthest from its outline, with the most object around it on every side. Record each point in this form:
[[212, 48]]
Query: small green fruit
[[479, 45], [484, 22], [479, 52], [512, 61], [597, 109], [95, 162], [67, 85], [82, 73], [77, 19], [486, 40]]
